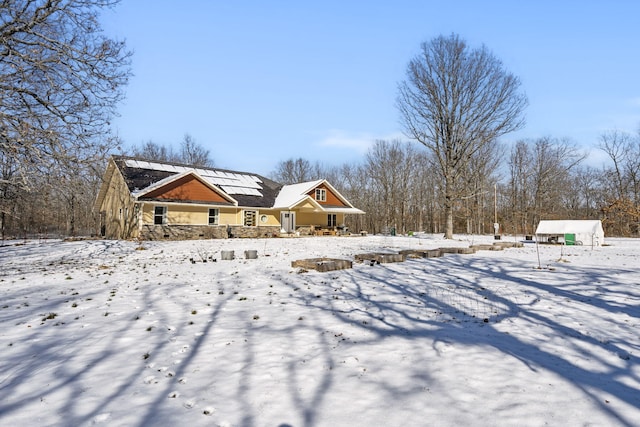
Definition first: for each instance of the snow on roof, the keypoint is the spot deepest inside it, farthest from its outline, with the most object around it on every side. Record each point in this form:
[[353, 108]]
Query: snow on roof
[[292, 194], [137, 192], [569, 226], [230, 182]]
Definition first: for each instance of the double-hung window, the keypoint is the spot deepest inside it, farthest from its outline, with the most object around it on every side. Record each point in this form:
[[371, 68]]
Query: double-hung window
[[321, 194], [213, 216], [160, 215]]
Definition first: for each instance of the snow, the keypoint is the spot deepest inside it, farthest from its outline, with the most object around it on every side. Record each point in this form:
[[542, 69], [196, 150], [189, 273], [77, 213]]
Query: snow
[[127, 334], [292, 194]]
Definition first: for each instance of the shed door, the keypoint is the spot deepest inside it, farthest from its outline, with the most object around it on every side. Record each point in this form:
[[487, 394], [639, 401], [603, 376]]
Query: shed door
[[288, 221], [569, 239]]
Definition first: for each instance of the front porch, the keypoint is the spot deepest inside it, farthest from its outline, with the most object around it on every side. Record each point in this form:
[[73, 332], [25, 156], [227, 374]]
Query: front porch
[[322, 230]]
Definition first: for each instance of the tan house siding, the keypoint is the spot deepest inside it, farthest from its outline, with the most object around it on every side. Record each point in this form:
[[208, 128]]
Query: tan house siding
[[317, 218], [272, 217], [229, 216], [118, 210], [191, 222], [181, 214]]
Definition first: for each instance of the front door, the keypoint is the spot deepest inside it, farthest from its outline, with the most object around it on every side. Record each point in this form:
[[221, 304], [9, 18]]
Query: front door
[[288, 221]]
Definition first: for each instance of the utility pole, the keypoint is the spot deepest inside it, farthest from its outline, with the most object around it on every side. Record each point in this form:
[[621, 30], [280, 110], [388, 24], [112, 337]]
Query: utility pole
[[496, 227], [495, 203]]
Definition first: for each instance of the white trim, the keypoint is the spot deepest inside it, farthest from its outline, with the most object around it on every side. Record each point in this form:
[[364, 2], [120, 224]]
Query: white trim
[[206, 205]]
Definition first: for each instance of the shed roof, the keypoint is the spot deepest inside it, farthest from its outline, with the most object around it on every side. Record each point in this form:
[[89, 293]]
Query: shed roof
[[569, 226]]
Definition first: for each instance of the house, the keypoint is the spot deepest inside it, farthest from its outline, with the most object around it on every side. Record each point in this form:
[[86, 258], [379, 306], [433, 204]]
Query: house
[[571, 232], [158, 200]]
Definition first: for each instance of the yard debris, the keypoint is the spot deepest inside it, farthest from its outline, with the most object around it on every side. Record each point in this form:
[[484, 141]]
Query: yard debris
[[381, 258], [456, 250], [421, 253], [322, 264]]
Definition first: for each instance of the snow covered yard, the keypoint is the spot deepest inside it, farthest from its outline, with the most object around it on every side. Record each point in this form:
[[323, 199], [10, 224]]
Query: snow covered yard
[[114, 333]]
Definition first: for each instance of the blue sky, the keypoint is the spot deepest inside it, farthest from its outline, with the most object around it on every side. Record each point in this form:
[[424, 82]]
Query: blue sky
[[260, 82]]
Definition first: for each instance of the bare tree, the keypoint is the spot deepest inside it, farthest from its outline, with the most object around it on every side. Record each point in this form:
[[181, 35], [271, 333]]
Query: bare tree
[[349, 180], [394, 172], [190, 153], [541, 181], [622, 205], [585, 193], [153, 151], [553, 160], [60, 82], [292, 171], [194, 154], [478, 180], [9, 194], [397, 188], [455, 100], [632, 171], [426, 193], [520, 183], [618, 146]]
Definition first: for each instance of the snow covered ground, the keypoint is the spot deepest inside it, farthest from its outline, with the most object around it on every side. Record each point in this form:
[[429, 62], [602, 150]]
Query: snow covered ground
[[119, 334]]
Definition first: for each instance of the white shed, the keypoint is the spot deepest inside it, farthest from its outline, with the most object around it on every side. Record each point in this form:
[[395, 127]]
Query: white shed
[[571, 232]]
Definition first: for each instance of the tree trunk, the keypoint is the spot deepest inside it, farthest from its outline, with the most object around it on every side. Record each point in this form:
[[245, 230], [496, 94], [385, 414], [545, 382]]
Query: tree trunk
[[448, 210]]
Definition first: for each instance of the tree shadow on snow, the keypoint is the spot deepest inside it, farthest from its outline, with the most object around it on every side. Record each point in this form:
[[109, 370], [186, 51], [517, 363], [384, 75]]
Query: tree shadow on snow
[[436, 299], [425, 303]]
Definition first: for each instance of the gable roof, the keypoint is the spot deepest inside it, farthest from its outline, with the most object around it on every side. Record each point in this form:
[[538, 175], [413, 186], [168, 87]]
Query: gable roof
[[293, 195], [166, 182], [246, 189]]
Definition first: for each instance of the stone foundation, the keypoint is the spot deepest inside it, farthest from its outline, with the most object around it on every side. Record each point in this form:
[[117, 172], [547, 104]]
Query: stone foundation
[[195, 232]]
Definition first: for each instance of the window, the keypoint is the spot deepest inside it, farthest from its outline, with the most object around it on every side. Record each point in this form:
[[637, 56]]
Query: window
[[213, 216], [160, 215], [331, 220], [321, 194], [250, 218]]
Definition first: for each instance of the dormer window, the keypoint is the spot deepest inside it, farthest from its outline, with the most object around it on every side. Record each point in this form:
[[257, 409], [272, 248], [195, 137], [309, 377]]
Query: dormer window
[[321, 194]]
